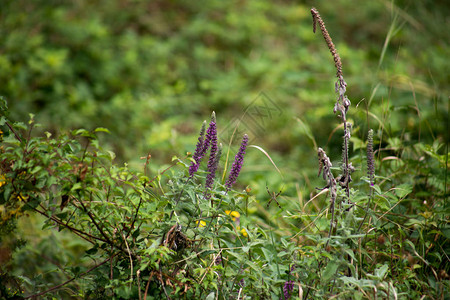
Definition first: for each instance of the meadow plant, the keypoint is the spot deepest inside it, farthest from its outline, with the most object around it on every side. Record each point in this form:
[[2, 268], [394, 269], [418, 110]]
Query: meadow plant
[[342, 181], [237, 164], [203, 144], [342, 103], [213, 159], [348, 259], [212, 168], [287, 289], [198, 151], [341, 106], [128, 246], [370, 159]]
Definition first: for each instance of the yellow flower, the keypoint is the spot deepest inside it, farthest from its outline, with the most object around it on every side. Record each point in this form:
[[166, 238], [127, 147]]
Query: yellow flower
[[2, 179], [243, 231], [200, 223], [22, 197], [234, 214]]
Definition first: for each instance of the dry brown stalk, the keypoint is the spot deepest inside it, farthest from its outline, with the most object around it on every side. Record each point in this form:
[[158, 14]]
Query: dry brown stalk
[[326, 36]]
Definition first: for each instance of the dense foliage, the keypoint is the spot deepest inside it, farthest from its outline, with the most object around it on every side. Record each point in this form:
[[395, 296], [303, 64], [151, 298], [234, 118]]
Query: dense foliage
[[76, 221]]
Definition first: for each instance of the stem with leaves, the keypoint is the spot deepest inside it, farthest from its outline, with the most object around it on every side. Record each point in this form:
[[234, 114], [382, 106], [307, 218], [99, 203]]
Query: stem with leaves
[[342, 103]]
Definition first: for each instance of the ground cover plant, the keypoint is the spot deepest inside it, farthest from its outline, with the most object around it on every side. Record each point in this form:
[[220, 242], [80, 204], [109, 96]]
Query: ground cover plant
[[194, 230]]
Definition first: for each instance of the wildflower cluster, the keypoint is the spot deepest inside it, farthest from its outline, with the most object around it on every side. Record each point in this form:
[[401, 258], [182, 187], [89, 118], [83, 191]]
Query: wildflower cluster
[[209, 142]]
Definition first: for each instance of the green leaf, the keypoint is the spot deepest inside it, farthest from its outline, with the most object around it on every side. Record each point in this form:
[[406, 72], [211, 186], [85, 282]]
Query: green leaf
[[357, 295], [351, 253], [7, 192], [92, 251], [79, 131], [111, 154], [3, 104], [357, 143], [136, 233], [377, 189], [446, 232], [412, 221], [267, 254], [330, 270], [76, 186], [381, 271], [191, 196], [238, 256], [403, 190], [101, 129]]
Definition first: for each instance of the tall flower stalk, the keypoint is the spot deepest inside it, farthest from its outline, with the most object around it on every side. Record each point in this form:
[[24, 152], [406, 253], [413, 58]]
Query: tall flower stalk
[[370, 159], [287, 289], [370, 173], [211, 137], [213, 163], [234, 173], [203, 144], [341, 107], [198, 151], [237, 164], [202, 147], [342, 102], [325, 168]]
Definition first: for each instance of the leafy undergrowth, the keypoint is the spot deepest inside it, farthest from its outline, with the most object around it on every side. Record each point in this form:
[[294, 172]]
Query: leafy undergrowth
[[136, 236], [377, 227]]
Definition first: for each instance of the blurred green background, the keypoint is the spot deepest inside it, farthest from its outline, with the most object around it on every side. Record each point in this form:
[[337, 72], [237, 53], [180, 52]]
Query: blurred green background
[[152, 71]]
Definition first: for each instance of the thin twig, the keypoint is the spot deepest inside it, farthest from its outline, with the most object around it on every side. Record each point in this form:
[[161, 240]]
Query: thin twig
[[13, 131], [78, 232], [108, 240], [135, 217]]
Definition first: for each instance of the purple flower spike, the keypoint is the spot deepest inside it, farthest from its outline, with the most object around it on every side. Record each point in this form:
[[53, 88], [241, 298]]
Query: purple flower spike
[[214, 157], [205, 145], [242, 282], [370, 158], [209, 135], [237, 164], [194, 167], [287, 289]]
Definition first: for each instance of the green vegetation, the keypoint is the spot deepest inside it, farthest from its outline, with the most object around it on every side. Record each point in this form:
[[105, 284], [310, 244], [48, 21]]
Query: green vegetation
[[102, 104]]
